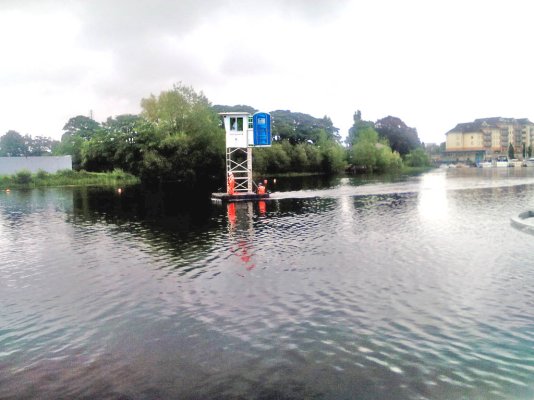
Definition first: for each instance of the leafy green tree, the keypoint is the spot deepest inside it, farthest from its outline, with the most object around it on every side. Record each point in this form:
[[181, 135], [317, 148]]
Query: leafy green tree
[[333, 158], [113, 145], [182, 140], [511, 151], [98, 153], [122, 124], [364, 154], [237, 108], [332, 154], [417, 158], [315, 158], [272, 159], [81, 126], [128, 134], [357, 126], [71, 145], [78, 130], [400, 137], [41, 145], [299, 158], [529, 151], [301, 128], [370, 154], [12, 144]]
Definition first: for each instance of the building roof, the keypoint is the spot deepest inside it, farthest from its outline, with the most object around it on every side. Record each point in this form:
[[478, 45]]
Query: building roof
[[493, 122], [467, 127], [236, 113]]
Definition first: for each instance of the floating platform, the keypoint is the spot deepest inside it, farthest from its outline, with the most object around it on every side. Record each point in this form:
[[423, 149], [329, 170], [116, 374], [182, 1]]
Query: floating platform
[[229, 198], [524, 222]]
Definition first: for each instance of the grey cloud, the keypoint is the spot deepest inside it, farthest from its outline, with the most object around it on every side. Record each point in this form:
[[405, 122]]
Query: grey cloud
[[239, 63], [142, 68], [106, 22], [133, 32]]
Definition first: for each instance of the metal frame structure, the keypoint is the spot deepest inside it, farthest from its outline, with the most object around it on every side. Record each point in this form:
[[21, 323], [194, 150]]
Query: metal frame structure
[[241, 169]]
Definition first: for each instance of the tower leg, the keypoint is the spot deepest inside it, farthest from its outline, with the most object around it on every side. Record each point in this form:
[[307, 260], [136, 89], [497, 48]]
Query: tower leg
[[249, 169]]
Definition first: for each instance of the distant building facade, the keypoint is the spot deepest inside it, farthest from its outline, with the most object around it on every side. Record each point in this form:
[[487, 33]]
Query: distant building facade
[[480, 139]]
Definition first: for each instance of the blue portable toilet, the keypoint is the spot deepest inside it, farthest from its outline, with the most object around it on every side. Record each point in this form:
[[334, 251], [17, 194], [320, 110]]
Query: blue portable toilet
[[262, 129]]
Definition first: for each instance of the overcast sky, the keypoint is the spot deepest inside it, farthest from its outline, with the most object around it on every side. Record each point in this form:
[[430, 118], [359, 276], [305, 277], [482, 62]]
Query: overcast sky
[[431, 63]]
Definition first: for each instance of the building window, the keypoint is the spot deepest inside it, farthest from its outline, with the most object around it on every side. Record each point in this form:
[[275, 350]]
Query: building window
[[236, 124], [250, 123]]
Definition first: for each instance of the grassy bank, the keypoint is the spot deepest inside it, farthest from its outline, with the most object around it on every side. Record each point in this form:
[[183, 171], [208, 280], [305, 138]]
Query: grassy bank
[[25, 179]]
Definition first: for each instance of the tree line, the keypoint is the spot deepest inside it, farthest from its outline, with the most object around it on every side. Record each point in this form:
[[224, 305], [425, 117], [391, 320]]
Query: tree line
[[178, 136], [13, 144]]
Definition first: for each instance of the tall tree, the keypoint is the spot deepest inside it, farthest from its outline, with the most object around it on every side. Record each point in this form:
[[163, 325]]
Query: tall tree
[[240, 107], [126, 141], [184, 140], [511, 153], [301, 128], [371, 154], [357, 126], [12, 144], [401, 137], [41, 145], [78, 130], [81, 126]]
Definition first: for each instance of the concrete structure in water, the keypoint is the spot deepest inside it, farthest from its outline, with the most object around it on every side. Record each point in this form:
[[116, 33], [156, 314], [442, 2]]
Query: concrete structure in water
[[485, 137]]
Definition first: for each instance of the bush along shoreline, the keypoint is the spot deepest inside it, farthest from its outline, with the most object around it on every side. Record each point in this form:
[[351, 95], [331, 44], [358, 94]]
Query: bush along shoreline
[[24, 179]]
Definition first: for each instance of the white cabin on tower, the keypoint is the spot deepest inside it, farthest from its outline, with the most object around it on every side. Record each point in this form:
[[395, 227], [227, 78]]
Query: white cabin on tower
[[239, 129]]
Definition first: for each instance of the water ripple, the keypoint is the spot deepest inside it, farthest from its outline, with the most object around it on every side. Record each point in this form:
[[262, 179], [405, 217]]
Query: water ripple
[[422, 293]]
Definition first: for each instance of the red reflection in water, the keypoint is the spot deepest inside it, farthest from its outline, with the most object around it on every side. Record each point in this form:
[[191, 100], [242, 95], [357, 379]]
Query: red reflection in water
[[240, 219], [262, 207]]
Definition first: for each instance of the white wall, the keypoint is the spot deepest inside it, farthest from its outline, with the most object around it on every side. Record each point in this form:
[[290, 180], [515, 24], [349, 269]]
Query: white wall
[[11, 165]]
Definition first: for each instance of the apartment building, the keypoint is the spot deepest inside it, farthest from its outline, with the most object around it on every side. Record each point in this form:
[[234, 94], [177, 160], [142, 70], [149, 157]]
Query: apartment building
[[484, 137]]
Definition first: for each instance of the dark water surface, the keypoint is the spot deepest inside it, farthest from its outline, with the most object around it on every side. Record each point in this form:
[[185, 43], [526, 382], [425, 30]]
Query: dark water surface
[[337, 289]]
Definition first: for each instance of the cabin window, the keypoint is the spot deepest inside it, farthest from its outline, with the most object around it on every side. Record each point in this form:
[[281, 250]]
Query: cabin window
[[236, 124], [250, 123]]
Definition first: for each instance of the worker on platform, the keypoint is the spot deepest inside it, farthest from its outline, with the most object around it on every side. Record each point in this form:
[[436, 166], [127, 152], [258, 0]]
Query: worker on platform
[[261, 188], [230, 184]]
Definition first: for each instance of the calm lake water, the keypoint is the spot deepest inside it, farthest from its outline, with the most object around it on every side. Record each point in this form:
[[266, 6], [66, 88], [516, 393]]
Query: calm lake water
[[335, 289]]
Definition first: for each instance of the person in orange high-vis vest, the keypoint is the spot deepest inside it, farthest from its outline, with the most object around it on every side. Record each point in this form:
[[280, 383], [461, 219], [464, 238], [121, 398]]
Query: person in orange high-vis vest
[[230, 185], [261, 188]]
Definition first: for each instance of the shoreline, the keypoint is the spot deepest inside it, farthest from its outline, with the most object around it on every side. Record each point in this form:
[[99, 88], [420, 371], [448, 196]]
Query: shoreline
[[66, 178]]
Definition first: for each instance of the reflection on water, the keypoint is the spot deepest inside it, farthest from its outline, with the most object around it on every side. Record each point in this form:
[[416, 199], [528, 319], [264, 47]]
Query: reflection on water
[[433, 197], [413, 288]]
